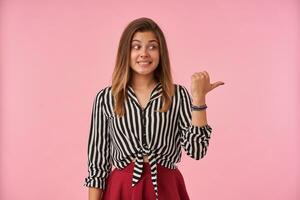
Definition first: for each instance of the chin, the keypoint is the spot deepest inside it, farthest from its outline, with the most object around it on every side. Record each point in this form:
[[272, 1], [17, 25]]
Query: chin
[[144, 71]]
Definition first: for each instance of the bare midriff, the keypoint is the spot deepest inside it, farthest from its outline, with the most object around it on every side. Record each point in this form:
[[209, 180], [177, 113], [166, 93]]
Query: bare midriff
[[145, 158]]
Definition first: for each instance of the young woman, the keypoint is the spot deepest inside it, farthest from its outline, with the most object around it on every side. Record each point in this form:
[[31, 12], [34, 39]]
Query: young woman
[[142, 120]]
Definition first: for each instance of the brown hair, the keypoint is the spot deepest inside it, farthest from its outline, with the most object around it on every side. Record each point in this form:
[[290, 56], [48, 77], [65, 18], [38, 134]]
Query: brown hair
[[122, 72]]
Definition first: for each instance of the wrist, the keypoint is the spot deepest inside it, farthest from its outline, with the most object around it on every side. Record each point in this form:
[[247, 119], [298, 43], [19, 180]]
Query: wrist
[[199, 101]]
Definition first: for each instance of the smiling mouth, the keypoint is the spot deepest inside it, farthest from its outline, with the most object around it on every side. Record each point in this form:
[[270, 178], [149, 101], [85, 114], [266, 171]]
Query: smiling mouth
[[144, 63]]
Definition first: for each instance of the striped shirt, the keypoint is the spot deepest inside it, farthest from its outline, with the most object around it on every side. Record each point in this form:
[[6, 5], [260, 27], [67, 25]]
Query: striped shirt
[[142, 131]]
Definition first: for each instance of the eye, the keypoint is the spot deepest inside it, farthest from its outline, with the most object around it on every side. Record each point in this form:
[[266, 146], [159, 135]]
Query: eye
[[152, 47], [135, 46]]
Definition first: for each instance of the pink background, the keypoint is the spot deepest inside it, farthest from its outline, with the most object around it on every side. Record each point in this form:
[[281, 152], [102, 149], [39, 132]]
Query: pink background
[[56, 55]]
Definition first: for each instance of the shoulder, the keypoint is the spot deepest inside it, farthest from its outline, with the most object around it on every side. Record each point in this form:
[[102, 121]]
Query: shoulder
[[179, 89], [103, 92], [106, 89], [182, 93]]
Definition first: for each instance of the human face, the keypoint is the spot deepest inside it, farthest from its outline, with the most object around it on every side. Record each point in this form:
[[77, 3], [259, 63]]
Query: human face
[[144, 53]]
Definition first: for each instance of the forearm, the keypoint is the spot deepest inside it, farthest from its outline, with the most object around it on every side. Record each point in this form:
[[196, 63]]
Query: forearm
[[199, 118], [95, 193]]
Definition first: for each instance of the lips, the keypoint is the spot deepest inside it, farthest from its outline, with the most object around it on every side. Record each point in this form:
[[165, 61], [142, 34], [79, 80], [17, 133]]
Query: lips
[[144, 62]]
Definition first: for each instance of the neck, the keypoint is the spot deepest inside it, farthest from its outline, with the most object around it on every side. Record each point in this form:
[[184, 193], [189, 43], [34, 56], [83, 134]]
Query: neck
[[142, 82]]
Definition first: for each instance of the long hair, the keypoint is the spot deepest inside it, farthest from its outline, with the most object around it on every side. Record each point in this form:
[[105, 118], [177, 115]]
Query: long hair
[[122, 72]]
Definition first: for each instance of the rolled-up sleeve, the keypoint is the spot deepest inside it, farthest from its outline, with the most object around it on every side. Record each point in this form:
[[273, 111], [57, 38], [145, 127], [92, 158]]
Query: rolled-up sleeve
[[99, 165], [194, 139]]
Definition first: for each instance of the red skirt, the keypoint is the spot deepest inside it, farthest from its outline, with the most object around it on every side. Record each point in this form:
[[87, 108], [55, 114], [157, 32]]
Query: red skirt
[[170, 184]]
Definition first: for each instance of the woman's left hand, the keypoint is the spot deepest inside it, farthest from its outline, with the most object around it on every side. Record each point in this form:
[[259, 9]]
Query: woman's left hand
[[201, 85]]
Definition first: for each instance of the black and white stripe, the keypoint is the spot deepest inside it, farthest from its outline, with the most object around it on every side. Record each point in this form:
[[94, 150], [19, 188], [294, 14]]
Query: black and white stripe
[[142, 131]]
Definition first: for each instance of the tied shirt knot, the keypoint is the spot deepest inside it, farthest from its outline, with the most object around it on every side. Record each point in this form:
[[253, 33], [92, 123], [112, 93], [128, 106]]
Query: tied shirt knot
[[138, 168]]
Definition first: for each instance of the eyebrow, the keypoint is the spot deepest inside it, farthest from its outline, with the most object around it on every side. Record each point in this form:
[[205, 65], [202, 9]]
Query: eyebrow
[[135, 40]]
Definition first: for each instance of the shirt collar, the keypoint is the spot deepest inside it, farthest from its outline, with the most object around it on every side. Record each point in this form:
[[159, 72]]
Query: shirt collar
[[156, 92]]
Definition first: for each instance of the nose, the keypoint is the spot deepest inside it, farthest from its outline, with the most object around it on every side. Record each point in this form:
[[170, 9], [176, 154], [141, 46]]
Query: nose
[[144, 52], [144, 55]]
